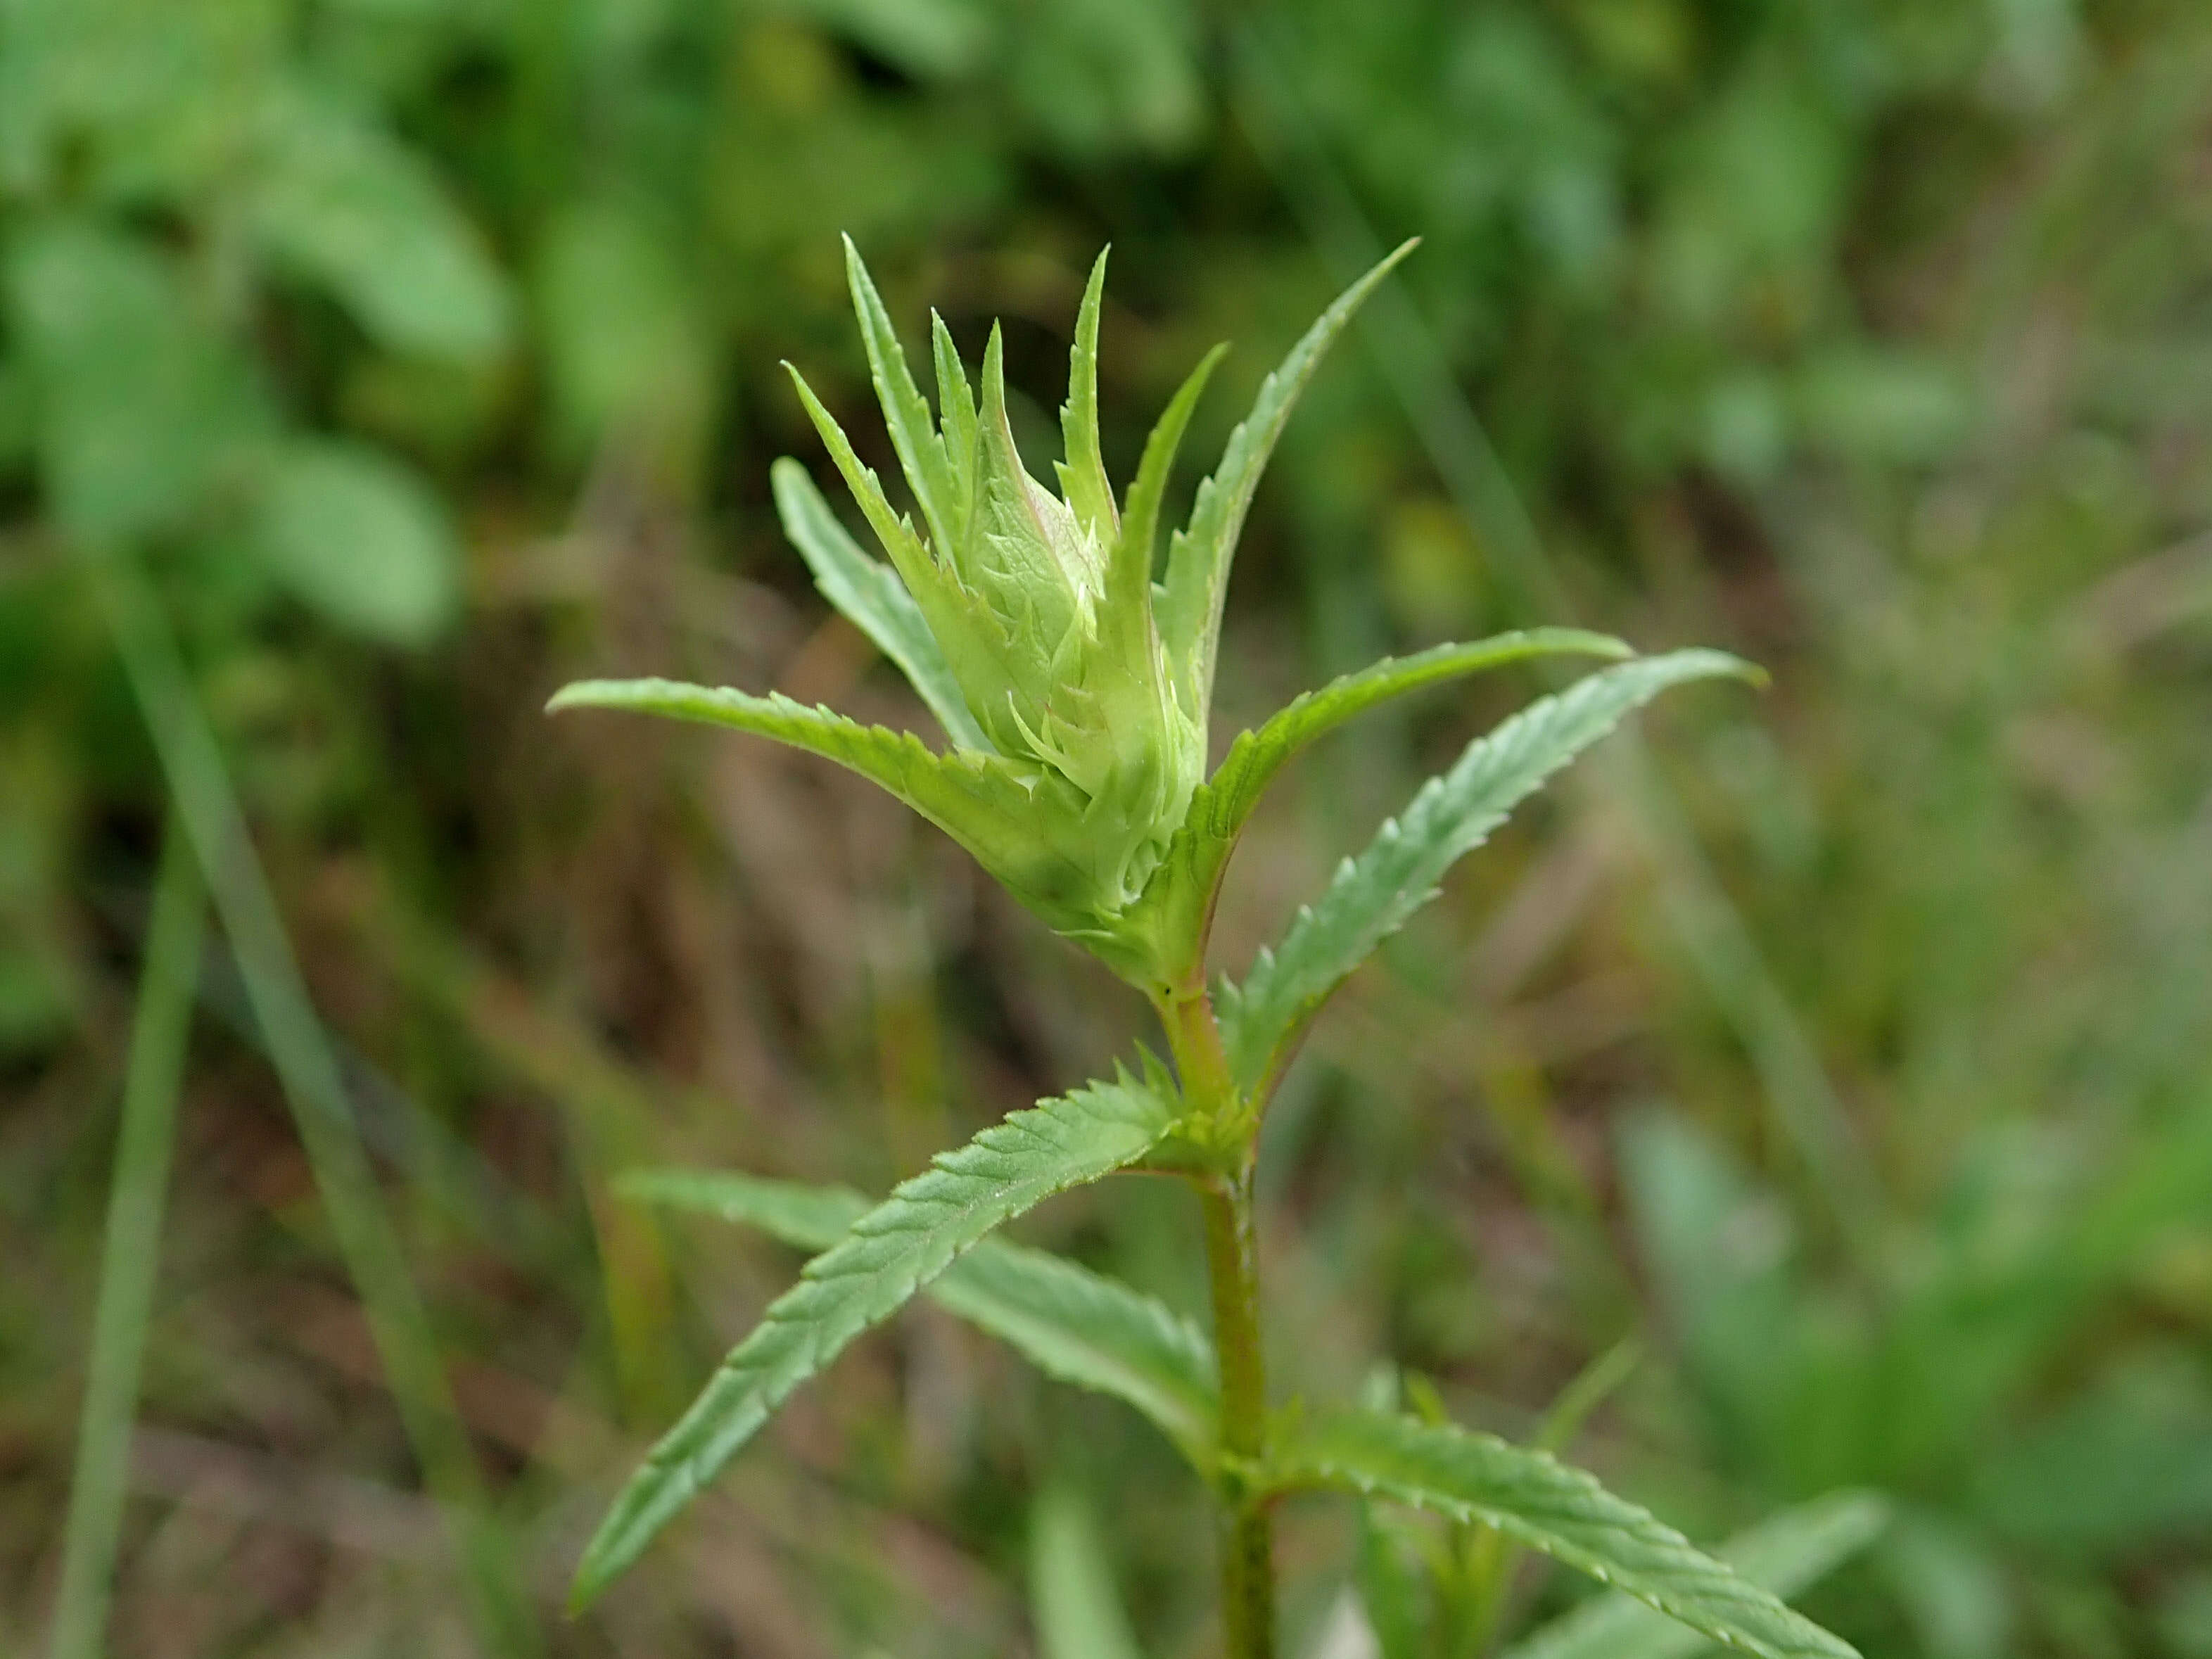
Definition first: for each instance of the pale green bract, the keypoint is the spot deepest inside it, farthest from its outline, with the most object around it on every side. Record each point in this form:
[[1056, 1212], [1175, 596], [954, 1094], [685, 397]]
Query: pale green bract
[[1074, 688]]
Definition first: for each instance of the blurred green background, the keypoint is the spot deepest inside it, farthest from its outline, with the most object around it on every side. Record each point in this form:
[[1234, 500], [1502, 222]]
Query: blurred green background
[[1851, 1045]]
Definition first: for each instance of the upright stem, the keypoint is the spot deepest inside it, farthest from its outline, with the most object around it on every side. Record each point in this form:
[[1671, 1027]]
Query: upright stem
[[1248, 1554], [1247, 1565]]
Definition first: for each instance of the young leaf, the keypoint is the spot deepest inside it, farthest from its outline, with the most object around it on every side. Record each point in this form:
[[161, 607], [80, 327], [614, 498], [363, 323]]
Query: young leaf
[[1184, 886], [955, 407], [890, 1254], [1372, 896], [920, 451], [1083, 482], [1076, 1326], [1199, 557], [1784, 1553], [869, 592], [1140, 509], [1532, 1497], [981, 800], [908, 555]]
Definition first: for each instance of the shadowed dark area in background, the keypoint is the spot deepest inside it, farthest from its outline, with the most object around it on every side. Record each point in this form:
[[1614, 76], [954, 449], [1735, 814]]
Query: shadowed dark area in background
[[1850, 1046]]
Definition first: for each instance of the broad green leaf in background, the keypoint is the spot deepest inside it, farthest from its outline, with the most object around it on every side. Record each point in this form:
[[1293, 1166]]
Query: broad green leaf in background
[[1184, 886], [359, 538], [890, 1254], [136, 403], [346, 205], [1075, 1325], [1372, 896], [1784, 1553], [870, 594], [1102, 76], [620, 322], [926, 38], [1078, 1612], [1534, 1498]]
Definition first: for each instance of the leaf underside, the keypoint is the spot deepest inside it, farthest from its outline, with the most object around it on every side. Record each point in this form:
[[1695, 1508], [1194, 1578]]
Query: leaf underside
[[1372, 896], [889, 1255], [1786, 1554], [1184, 887], [1076, 1326], [983, 801], [870, 593], [1534, 1498]]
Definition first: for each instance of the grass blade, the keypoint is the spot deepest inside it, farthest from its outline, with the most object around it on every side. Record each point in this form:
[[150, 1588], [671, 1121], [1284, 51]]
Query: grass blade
[[308, 1070], [1077, 1610], [131, 1256]]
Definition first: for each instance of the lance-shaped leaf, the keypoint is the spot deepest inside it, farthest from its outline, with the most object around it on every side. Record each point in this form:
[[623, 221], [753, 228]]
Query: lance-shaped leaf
[[1531, 1497], [921, 450], [1199, 556], [890, 1253], [1182, 890], [955, 405], [869, 592], [985, 802], [1076, 1326], [1140, 518], [1785, 1553], [908, 555], [1372, 896]]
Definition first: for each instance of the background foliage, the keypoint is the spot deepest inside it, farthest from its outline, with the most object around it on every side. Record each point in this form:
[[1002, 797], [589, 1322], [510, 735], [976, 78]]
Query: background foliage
[[1851, 1048]]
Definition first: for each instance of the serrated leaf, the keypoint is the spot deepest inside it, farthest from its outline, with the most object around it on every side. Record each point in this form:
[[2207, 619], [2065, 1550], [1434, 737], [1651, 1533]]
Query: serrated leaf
[[982, 801], [1372, 896], [890, 1253], [1084, 484], [955, 408], [906, 417], [1199, 556], [1184, 887], [1532, 1497], [908, 555], [138, 404], [358, 537], [870, 593], [1785, 1554], [1076, 1326]]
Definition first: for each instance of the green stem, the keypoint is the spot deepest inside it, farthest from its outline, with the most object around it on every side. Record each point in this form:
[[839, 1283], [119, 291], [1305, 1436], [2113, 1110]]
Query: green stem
[[131, 1255], [1247, 1565], [314, 1088]]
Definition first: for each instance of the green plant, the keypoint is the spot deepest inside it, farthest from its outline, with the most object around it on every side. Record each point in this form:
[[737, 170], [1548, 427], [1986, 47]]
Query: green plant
[[1075, 689]]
